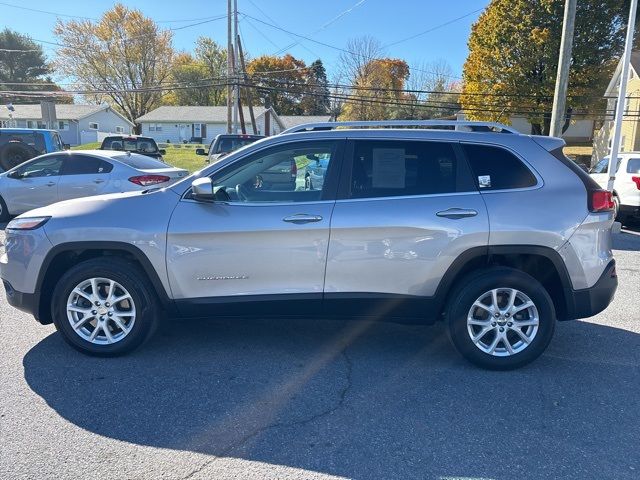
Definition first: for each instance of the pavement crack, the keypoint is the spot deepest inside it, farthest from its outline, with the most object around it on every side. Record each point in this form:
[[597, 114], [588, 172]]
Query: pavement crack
[[242, 441]]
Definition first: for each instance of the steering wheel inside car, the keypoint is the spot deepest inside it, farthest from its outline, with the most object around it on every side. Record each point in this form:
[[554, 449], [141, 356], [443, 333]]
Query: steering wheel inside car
[[242, 192]]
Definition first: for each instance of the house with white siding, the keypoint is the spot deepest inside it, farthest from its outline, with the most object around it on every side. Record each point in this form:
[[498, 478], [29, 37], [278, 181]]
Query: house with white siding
[[169, 124], [77, 124]]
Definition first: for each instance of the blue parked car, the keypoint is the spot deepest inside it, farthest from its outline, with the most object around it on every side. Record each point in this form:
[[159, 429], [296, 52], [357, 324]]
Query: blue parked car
[[17, 145]]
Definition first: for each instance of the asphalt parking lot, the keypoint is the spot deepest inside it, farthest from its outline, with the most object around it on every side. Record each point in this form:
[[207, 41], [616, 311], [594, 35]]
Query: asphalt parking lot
[[294, 399]]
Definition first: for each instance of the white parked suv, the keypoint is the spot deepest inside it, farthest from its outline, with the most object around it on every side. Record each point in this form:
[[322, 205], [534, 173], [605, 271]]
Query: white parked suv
[[626, 187], [497, 234]]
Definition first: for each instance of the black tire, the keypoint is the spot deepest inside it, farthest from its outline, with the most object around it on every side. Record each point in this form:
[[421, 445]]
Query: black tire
[[4, 213], [129, 276], [616, 209], [471, 289], [14, 153]]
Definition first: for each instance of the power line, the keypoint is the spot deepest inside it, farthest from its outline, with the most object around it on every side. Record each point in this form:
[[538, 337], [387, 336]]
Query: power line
[[429, 30], [333, 46], [325, 25]]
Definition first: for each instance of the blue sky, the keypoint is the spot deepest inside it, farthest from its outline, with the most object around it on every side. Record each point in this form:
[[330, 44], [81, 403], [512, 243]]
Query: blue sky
[[385, 20]]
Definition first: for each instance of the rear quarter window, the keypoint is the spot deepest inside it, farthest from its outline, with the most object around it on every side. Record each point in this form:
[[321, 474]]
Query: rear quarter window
[[496, 168]]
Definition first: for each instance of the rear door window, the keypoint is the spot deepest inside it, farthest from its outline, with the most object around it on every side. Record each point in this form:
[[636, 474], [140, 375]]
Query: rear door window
[[633, 166], [85, 165], [383, 168], [496, 168]]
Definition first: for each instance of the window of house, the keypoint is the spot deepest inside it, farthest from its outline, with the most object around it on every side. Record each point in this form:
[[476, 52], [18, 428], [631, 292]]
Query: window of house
[[63, 125], [93, 126], [496, 168], [155, 127], [400, 168], [31, 124], [119, 129]]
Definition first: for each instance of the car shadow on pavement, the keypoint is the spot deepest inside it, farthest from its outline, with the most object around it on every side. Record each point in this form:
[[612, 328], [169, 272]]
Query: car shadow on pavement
[[358, 399], [628, 239]]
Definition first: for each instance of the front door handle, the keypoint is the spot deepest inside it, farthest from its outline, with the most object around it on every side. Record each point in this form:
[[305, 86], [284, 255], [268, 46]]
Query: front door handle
[[299, 218], [98, 181], [51, 184], [457, 213]]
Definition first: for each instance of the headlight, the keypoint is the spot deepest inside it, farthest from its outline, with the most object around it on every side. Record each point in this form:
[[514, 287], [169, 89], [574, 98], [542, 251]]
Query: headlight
[[27, 223]]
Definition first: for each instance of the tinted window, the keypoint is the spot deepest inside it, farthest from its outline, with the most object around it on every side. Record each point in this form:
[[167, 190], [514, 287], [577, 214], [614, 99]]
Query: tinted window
[[230, 144], [396, 168], [278, 174], [140, 161], [496, 168], [48, 166], [634, 165], [603, 166], [35, 140], [85, 165]]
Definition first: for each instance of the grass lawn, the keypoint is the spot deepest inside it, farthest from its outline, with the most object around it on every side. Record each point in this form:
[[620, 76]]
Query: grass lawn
[[181, 156]]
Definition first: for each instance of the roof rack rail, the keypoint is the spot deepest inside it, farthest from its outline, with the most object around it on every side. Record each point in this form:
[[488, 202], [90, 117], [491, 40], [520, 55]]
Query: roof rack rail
[[431, 124]]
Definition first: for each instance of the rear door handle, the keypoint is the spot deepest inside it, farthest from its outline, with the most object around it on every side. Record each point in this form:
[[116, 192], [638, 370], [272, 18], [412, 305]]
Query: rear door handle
[[98, 181], [302, 218], [456, 213], [51, 184]]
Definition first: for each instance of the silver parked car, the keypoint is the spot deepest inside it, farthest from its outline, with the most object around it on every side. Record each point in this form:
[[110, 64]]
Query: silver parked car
[[65, 175], [495, 233]]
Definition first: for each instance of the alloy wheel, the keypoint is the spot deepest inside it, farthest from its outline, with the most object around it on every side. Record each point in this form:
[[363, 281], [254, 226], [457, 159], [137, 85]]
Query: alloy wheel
[[101, 311], [503, 322]]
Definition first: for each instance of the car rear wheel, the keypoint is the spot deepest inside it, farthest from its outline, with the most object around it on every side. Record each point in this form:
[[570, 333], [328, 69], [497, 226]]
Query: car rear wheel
[[501, 318], [104, 307]]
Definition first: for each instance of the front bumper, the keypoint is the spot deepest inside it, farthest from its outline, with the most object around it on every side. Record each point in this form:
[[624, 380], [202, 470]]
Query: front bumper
[[590, 301], [27, 302]]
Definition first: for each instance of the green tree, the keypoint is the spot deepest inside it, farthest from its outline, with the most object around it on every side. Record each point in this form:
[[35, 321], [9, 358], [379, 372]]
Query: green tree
[[315, 95], [513, 58], [282, 80], [204, 71], [124, 54], [377, 91], [24, 67]]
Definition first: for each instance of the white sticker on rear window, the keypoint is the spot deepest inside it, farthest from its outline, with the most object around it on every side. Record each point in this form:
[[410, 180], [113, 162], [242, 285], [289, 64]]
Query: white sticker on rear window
[[484, 181], [389, 169]]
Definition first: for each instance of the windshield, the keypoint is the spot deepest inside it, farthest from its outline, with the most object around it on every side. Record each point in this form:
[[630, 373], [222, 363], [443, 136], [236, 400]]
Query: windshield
[[140, 161], [230, 144], [143, 145]]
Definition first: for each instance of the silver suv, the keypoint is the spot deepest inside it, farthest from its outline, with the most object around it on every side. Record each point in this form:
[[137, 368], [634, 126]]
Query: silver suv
[[498, 234]]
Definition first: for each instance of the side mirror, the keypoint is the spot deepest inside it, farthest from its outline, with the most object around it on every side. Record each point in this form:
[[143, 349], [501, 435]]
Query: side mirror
[[200, 151], [66, 146], [203, 189], [162, 151], [15, 174]]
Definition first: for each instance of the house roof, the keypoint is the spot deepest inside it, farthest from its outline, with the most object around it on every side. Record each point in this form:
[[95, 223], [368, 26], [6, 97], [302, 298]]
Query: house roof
[[63, 111], [289, 121], [635, 66], [188, 114]]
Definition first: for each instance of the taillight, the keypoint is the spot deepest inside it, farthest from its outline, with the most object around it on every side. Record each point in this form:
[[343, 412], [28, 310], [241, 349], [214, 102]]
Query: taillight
[[146, 180], [294, 169], [636, 180], [601, 201]]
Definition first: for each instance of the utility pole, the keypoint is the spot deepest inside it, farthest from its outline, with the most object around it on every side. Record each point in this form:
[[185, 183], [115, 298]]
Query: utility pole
[[248, 88], [236, 90], [229, 66], [564, 65], [622, 94]]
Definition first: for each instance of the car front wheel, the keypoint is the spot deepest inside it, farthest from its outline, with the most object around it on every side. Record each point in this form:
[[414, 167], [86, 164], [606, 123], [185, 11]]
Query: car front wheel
[[104, 307], [501, 318]]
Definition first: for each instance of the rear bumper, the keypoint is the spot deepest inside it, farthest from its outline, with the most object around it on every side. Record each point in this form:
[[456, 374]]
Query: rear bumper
[[591, 301], [629, 211]]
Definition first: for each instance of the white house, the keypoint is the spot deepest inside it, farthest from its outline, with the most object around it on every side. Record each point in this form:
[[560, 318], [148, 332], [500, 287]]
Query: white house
[[77, 124], [580, 129], [202, 124]]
